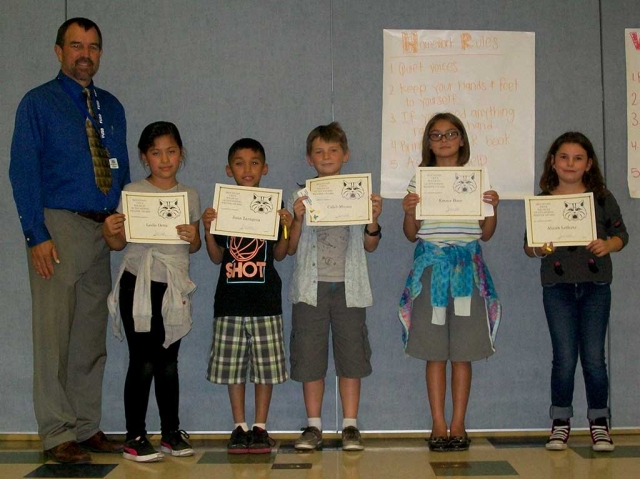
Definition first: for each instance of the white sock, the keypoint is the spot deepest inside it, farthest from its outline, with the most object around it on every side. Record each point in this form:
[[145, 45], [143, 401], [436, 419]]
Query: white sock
[[346, 422], [243, 425], [315, 422], [261, 425]]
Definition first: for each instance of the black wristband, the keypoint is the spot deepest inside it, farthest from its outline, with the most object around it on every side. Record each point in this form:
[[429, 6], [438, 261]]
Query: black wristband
[[375, 233]]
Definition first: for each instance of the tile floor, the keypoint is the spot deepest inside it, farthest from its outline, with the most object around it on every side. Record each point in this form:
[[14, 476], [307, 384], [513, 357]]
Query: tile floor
[[489, 457]]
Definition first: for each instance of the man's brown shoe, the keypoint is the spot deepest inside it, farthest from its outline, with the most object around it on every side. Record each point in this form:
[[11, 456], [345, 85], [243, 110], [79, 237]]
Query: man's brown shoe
[[99, 443], [69, 453]]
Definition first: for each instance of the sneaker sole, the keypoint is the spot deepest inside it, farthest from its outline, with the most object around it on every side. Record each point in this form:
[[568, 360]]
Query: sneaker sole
[[353, 447], [555, 447], [149, 458], [174, 453], [603, 447], [307, 447], [263, 450], [237, 451]]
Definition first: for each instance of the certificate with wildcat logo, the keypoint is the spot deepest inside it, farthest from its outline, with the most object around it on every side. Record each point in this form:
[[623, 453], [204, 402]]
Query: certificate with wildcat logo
[[338, 200], [246, 212], [153, 217], [564, 220], [452, 193]]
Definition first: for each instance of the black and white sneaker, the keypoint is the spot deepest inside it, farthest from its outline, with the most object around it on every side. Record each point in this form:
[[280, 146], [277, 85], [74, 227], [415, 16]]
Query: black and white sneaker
[[140, 450], [175, 443], [600, 435], [559, 435]]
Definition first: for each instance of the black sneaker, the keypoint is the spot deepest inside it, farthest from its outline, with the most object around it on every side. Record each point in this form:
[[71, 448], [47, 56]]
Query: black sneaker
[[559, 435], [140, 450], [239, 441], [260, 442], [174, 443], [600, 435]]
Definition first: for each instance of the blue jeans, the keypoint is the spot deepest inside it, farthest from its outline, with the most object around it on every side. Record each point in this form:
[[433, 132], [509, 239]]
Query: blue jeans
[[578, 315]]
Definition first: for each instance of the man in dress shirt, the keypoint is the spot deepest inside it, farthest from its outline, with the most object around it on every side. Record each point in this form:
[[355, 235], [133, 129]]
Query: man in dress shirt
[[61, 211]]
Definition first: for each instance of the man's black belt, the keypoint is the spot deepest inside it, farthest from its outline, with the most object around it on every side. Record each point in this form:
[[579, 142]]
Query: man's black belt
[[97, 217]]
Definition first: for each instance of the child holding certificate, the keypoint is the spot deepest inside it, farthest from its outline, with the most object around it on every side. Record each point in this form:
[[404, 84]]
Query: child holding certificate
[[330, 290], [247, 325], [151, 299], [449, 308], [576, 290]]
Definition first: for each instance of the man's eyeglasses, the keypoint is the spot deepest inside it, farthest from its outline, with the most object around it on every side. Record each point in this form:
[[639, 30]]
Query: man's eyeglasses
[[449, 135]]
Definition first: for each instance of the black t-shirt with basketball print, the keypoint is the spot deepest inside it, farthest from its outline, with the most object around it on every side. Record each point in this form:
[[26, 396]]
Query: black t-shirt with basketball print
[[249, 284]]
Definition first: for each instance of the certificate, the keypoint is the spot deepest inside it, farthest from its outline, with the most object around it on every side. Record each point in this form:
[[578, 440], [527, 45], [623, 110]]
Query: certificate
[[338, 200], [246, 212], [450, 193], [565, 220], [153, 217]]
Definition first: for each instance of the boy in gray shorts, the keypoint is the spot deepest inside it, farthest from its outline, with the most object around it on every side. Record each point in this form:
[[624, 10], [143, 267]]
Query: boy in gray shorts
[[330, 290]]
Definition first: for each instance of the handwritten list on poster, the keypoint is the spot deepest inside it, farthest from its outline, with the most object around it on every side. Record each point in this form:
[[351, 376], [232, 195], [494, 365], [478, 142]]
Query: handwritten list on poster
[[485, 78], [632, 47]]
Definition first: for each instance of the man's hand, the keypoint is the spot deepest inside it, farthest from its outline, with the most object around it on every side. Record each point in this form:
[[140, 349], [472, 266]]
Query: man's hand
[[43, 256]]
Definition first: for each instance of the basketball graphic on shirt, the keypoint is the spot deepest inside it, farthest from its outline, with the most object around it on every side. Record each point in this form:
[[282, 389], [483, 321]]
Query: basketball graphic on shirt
[[249, 260], [246, 251]]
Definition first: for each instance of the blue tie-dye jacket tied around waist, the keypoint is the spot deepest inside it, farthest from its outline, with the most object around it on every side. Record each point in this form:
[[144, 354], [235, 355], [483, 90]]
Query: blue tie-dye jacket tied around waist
[[456, 269]]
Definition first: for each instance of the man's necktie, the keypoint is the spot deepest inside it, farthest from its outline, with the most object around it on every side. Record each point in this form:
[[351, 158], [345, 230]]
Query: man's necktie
[[99, 154]]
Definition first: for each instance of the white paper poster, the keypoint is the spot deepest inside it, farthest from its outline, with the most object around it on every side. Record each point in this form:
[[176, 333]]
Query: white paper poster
[[486, 78], [632, 47]]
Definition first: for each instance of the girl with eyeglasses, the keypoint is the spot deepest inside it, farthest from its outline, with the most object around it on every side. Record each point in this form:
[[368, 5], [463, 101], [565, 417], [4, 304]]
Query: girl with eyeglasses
[[449, 307]]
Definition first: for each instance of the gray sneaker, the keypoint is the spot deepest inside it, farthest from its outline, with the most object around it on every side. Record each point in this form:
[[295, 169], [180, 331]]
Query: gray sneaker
[[311, 438], [351, 439]]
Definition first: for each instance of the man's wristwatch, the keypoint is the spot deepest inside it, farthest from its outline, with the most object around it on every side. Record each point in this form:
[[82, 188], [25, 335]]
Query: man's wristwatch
[[375, 233]]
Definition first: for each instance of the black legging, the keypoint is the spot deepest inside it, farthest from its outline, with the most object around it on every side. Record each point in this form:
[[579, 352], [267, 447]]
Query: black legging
[[149, 360]]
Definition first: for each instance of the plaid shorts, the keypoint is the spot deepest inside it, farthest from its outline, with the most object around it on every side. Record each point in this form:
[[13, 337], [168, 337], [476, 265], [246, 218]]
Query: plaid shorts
[[241, 342]]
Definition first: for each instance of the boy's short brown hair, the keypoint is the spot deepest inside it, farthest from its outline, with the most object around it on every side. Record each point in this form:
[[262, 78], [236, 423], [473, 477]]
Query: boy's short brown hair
[[332, 132]]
